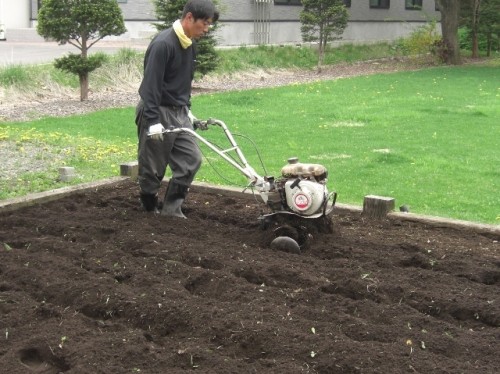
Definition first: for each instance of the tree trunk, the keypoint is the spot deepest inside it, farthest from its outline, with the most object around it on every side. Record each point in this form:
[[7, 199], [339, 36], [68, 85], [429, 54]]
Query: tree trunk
[[476, 4], [84, 77], [321, 56], [84, 87], [489, 43], [450, 10], [321, 49]]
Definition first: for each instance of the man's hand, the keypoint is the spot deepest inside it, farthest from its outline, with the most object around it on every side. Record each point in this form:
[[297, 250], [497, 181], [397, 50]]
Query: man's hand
[[192, 118], [197, 123], [200, 125], [156, 131]]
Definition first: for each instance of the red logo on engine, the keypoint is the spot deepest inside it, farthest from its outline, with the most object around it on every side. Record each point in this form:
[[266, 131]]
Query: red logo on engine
[[301, 201]]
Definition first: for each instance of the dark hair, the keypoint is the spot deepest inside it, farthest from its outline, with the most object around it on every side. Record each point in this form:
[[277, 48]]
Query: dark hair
[[203, 9]]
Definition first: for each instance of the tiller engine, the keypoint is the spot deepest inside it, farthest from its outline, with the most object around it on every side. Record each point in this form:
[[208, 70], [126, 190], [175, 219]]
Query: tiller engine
[[297, 200]]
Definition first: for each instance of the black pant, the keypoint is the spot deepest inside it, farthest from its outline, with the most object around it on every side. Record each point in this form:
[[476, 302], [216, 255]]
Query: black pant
[[179, 151]]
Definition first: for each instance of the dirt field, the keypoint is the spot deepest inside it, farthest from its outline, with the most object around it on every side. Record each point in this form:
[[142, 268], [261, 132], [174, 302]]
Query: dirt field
[[91, 284]]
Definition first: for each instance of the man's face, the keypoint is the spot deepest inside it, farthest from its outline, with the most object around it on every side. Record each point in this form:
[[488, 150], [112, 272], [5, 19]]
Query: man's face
[[196, 29]]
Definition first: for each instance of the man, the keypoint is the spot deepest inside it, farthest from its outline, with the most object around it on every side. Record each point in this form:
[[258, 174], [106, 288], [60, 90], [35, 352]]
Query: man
[[165, 93]]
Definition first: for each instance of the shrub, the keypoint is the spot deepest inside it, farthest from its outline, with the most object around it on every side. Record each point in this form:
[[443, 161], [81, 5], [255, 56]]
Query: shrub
[[421, 42]]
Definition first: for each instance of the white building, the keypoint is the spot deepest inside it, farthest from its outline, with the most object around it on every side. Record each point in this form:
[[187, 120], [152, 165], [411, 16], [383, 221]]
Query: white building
[[247, 22]]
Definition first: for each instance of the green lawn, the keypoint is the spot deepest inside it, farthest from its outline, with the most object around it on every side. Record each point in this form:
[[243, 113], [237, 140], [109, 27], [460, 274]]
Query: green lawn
[[428, 138]]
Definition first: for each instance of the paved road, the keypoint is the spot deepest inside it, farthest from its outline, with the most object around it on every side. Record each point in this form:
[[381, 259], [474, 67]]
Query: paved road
[[14, 53]]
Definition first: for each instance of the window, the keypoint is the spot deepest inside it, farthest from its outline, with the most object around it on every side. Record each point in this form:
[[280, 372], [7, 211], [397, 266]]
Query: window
[[381, 4], [287, 2], [121, 1], [347, 3], [413, 4]]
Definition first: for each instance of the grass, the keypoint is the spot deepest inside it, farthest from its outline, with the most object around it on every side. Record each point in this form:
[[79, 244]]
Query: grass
[[428, 138], [35, 76], [302, 57], [127, 63], [94, 144]]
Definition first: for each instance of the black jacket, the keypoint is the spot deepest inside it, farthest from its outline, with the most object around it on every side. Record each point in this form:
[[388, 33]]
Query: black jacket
[[168, 75]]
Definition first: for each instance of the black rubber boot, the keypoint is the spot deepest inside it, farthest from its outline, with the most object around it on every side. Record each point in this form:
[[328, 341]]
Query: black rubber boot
[[174, 197], [149, 202]]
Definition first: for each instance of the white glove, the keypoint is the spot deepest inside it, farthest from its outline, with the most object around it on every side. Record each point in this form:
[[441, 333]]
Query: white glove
[[191, 117], [156, 131]]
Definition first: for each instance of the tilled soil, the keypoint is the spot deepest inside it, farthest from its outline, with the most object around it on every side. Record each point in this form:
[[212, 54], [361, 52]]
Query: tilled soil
[[92, 284]]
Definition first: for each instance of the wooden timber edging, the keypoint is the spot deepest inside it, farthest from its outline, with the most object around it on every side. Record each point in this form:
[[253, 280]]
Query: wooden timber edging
[[446, 222], [43, 197], [58, 193]]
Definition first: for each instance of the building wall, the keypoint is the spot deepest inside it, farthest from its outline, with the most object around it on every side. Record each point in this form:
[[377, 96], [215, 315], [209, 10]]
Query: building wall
[[238, 26], [244, 10], [33, 8], [360, 11], [138, 10], [14, 13], [365, 24], [242, 33]]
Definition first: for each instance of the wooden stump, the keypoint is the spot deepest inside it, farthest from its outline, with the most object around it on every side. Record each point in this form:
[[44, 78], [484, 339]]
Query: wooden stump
[[130, 169], [66, 173], [377, 206]]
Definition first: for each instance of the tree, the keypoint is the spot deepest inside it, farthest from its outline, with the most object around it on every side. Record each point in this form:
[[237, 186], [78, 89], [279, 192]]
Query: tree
[[490, 24], [323, 21], [470, 16], [481, 19], [81, 23], [475, 5], [450, 50], [168, 11]]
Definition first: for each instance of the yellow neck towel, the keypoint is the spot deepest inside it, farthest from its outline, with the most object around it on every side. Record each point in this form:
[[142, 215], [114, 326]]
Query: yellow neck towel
[[185, 41]]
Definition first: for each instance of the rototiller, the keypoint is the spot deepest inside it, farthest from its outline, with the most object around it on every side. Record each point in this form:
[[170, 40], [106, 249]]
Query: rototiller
[[296, 201]]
